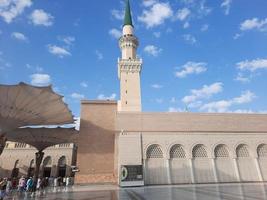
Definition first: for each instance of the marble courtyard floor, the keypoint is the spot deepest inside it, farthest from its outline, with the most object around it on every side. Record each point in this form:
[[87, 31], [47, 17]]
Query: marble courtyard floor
[[245, 191]]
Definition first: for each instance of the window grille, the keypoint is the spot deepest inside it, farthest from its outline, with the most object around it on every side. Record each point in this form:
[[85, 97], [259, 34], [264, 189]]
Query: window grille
[[47, 161], [64, 145], [262, 150], [20, 145], [62, 161], [242, 151], [199, 151], [221, 151], [154, 151], [177, 151]]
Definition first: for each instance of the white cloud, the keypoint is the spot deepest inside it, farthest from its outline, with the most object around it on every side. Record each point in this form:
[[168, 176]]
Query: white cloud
[[77, 96], [198, 8], [10, 9], [36, 68], [204, 27], [252, 65], [117, 14], [77, 123], [68, 40], [157, 86], [156, 15], [157, 34], [236, 36], [203, 10], [255, 24], [40, 79], [19, 36], [183, 14], [41, 18], [191, 68], [148, 3], [226, 5], [189, 38], [58, 51], [241, 78], [152, 50], [205, 92], [224, 105], [84, 84], [115, 33], [99, 55], [103, 97], [172, 109]]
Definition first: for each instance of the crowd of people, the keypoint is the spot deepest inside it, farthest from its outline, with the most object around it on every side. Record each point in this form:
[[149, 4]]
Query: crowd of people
[[28, 186]]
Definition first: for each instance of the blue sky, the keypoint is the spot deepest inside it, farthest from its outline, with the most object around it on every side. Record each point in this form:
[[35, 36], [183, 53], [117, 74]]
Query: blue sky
[[199, 56]]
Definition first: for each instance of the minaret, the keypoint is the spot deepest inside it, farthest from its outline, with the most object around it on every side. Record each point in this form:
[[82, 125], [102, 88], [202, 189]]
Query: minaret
[[129, 67]]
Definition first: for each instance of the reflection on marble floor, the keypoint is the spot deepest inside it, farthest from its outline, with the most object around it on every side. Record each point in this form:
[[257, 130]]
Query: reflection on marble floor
[[185, 192]]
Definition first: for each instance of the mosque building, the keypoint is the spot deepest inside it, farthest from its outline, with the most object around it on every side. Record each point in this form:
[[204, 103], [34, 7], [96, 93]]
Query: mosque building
[[119, 143]]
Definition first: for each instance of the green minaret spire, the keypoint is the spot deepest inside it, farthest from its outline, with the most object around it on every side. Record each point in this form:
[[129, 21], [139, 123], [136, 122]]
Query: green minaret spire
[[128, 16]]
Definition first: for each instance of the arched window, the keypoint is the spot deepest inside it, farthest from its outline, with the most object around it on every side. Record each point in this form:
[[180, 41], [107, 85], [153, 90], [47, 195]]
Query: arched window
[[31, 168], [16, 165], [15, 171], [262, 150], [242, 151], [177, 151], [47, 166], [62, 161], [47, 162], [221, 151], [199, 151], [62, 164], [154, 151], [32, 163]]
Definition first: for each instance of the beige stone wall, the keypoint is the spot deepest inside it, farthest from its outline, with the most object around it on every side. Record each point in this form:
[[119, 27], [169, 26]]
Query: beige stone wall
[[191, 122], [25, 154], [95, 158], [140, 131]]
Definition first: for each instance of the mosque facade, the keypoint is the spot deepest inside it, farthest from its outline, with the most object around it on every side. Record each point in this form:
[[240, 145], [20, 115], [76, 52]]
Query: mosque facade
[[18, 159], [119, 143]]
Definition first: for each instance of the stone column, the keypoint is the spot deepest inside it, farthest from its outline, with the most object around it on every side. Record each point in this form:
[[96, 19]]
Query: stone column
[[214, 170], [258, 169], [168, 171], [38, 160], [236, 169], [144, 170], [191, 165], [2, 143]]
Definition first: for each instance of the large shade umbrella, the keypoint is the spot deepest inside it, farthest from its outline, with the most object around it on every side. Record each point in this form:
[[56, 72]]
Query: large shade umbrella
[[26, 105], [41, 138]]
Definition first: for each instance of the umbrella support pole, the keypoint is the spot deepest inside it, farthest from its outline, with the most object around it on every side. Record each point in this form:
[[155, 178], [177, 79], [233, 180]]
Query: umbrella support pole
[[2, 143], [38, 160]]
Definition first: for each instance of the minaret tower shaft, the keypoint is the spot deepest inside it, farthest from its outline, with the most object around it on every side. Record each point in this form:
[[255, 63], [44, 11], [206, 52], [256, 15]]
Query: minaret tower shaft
[[129, 67]]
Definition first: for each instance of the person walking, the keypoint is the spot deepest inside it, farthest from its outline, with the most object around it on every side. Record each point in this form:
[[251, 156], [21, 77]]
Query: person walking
[[8, 186], [3, 184], [22, 183], [29, 184], [38, 183]]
